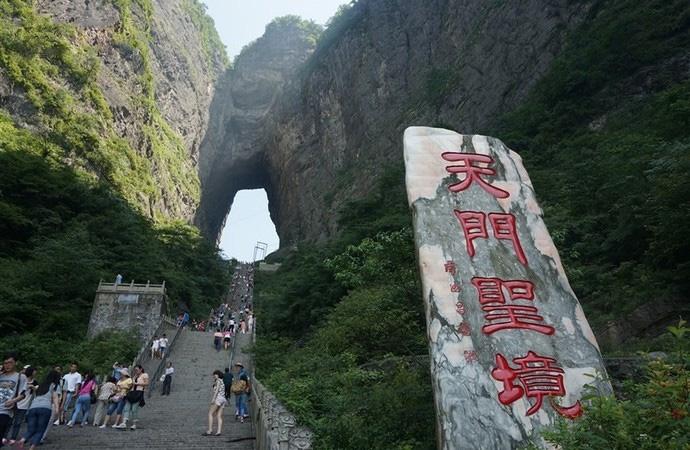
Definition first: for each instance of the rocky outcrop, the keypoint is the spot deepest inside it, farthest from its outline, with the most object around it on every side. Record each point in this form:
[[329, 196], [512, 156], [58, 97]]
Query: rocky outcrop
[[146, 49], [384, 65], [233, 153]]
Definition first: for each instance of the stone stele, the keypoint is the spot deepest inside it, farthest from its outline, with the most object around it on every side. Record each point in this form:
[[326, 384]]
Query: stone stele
[[512, 297]]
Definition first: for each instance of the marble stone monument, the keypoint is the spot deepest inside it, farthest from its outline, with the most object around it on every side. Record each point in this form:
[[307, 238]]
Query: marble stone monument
[[511, 350]]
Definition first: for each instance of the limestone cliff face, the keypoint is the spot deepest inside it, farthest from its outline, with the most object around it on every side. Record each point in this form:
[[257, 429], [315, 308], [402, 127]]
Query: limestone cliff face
[[157, 77], [233, 153], [390, 64]]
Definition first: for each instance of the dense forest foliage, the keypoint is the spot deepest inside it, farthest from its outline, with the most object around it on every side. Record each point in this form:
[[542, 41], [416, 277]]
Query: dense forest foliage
[[606, 138], [71, 194], [341, 337]]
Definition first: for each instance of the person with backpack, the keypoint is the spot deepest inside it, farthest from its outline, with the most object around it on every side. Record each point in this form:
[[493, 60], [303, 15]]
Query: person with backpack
[[84, 395], [135, 398], [218, 402], [12, 387], [44, 404], [117, 401], [106, 392], [240, 387]]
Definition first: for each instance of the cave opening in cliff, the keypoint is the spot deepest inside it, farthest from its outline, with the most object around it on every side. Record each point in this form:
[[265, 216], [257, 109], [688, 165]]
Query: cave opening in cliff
[[248, 225]]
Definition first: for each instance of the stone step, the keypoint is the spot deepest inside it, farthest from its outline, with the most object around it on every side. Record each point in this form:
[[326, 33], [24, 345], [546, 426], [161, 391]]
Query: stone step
[[175, 421]]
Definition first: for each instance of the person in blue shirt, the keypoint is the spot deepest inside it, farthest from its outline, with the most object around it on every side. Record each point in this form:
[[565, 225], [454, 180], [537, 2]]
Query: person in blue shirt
[[117, 371], [241, 387]]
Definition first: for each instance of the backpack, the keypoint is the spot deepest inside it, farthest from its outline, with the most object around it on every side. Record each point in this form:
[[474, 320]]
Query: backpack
[[238, 387]]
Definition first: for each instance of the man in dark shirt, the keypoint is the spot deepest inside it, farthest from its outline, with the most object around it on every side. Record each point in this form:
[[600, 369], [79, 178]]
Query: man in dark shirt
[[227, 381]]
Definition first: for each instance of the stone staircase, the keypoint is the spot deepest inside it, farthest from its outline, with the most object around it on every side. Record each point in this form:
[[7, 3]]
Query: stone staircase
[[176, 421]]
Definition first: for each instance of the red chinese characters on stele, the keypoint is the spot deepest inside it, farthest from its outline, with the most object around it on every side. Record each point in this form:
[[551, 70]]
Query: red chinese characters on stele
[[471, 165], [507, 304], [473, 225], [501, 315], [537, 377]]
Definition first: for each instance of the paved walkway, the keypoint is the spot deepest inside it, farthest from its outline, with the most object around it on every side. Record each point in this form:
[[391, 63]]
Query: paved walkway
[[177, 421]]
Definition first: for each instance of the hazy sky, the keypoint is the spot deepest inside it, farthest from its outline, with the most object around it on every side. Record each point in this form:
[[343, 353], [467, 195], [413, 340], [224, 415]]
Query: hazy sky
[[239, 22]]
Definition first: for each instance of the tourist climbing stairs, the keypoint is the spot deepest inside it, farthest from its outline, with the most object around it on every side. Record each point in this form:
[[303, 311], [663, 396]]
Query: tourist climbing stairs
[[176, 421]]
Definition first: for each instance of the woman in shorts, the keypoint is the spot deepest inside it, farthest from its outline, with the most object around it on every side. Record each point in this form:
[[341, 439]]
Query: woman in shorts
[[218, 402], [226, 339]]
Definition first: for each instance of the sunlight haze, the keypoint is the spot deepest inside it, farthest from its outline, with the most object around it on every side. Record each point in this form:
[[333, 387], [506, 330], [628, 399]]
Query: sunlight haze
[[239, 23]]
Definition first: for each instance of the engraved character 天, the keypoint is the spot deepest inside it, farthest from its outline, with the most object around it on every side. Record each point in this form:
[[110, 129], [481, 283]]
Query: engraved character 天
[[473, 166]]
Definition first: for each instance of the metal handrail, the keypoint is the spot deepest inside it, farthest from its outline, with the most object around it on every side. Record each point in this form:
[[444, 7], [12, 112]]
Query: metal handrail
[[161, 366]]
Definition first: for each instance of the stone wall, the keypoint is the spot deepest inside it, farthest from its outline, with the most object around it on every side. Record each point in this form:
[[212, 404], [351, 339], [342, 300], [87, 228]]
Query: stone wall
[[127, 308], [276, 427]]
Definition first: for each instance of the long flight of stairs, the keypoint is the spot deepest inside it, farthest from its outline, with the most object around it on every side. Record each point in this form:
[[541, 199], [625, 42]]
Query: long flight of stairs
[[176, 421]]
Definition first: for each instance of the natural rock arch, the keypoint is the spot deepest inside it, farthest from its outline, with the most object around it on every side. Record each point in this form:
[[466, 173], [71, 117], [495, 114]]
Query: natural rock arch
[[233, 153]]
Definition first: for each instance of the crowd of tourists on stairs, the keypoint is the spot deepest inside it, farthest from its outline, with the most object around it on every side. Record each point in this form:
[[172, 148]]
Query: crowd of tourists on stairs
[[224, 333], [228, 325], [68, 399]]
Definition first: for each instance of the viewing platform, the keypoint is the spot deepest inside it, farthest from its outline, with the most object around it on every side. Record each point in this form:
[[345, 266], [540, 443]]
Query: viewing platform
[[128, 306]]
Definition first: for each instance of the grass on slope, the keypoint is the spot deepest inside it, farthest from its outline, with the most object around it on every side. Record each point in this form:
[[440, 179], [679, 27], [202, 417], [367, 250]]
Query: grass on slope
[[72, 192]]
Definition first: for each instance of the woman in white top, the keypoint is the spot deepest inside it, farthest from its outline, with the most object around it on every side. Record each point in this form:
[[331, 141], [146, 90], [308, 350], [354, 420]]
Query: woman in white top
[[218, 402], [226, 339], [167, 378], [155, 347]]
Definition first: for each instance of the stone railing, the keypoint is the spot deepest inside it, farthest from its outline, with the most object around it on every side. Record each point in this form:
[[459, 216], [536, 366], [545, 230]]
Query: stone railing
[[131, 287], [276, 427]]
